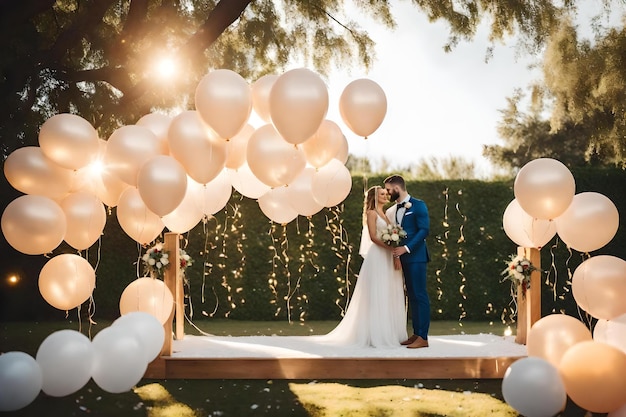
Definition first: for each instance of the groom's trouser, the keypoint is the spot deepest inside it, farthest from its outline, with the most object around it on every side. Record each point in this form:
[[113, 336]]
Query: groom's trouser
[[419, 303]]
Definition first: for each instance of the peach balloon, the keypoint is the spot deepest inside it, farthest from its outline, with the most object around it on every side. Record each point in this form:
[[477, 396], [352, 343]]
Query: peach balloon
[[271, 159], [363, 106], [187, 214], [599, 285], [237, 147], [342, 154], [224, 101], [149, 295], [68, 140], [298, 104], [593, 375], [551, 336], [331, 184], [275, 205], [261, 89], [589, 223], [86, 218], [544, 188], [33, 224], [66, 281], [300, 195], [141, 224], [159, 124], [525, 230], [162, 183], [246, 183], [28, 170], [128, 148], [193, 145], [324, 145]]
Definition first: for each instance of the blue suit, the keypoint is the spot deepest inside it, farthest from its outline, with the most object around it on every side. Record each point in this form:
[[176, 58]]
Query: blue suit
[[416, 223]]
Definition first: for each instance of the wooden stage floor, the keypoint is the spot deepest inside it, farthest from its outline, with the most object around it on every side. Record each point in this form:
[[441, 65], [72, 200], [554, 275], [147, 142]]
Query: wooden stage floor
[[483, 356]]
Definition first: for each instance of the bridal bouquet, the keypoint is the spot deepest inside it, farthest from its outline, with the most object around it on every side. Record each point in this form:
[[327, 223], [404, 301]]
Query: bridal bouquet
[[518, 271], [392, 235], [156, 259]]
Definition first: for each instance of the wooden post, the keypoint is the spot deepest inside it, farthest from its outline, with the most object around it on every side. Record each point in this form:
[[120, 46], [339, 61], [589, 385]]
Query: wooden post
[[174, 282], [529, 304]]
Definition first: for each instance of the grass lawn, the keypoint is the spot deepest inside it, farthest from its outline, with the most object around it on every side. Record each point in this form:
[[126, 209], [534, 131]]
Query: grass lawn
[[348, 398]]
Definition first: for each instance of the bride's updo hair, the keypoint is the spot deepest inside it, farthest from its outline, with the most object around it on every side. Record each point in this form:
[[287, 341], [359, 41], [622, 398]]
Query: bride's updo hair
[[371, 200]]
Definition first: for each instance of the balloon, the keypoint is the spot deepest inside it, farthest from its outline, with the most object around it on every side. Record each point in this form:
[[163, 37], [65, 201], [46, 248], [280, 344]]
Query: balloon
[[29, 171], [147, 329], [237, 147], [65, 358], [544, 188], [261, 89], [212, 197], [593, 375], [68, 140], [271, 159], [162, 182], [148, 295], [187, 214], [158, 124], [324, 145], [331, 184], [33, 224], [589, 223], [342, 154], [534, 388], [97, 180], [274, 204], [551, 336], [300, 196], [246, 183], [620, 412], [612, 332], [599, 285], [191, 143], [224, 101], [119, 360], [298, 104], [86, 218], [20, 379], [128, 148], [66, 281], [363, 106], [524, 230], [136, 219]]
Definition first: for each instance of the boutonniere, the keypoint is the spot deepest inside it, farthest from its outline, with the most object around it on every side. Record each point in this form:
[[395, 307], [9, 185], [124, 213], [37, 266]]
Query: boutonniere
[[407, 205]]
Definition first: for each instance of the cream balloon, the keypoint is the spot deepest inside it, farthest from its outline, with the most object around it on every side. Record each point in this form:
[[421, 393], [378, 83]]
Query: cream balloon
[[300, 195], [525, 230], [298, 104], [162, 183], [551, 336], [136, 219], [187, 214], [224, 101], [246, 183], [86, 218], [68, 140], [149, 295], [28, 170], [363, 106], [271, 159], [159, 124], [66, 281], [213, 196], [331, 184], [33, 224], [202, 155], [128, 148], [237, 148], [275, 205], [593, 375], [324, 145], [544, 188], [612, 332], [342, 154], [589, 223], [261, 89], [598, 286]]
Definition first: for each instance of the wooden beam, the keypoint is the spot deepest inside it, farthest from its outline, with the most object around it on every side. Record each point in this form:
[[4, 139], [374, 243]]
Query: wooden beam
[[529, 302]]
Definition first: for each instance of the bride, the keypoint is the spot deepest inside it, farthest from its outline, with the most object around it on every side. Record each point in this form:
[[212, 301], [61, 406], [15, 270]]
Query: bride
[[376, 314]]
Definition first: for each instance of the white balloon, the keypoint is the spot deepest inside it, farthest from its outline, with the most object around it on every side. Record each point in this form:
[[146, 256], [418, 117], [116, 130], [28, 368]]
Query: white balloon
[[525, 230], [246, 183], [275, 206], [213, 196], [147, 329], [300, 195], [20, 379], [331, 184], [187, 215]]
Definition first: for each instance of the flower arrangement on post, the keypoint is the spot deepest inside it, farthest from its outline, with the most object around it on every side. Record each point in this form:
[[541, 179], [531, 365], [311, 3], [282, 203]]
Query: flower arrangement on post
[[392, 235], [156, 260], [518, 271]]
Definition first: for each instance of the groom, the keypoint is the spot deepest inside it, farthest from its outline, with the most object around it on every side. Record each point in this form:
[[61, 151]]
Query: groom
[[412, 215]]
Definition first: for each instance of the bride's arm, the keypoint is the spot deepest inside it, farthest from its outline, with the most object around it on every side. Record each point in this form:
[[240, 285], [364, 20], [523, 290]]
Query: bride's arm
[[371, 227]]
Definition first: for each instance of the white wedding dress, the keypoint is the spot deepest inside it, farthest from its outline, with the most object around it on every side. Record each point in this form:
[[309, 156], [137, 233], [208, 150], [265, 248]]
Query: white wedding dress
[[376, 313]]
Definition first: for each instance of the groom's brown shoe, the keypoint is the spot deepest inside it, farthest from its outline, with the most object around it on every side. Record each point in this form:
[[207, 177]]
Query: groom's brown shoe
[[418, 343], [409, 340]]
